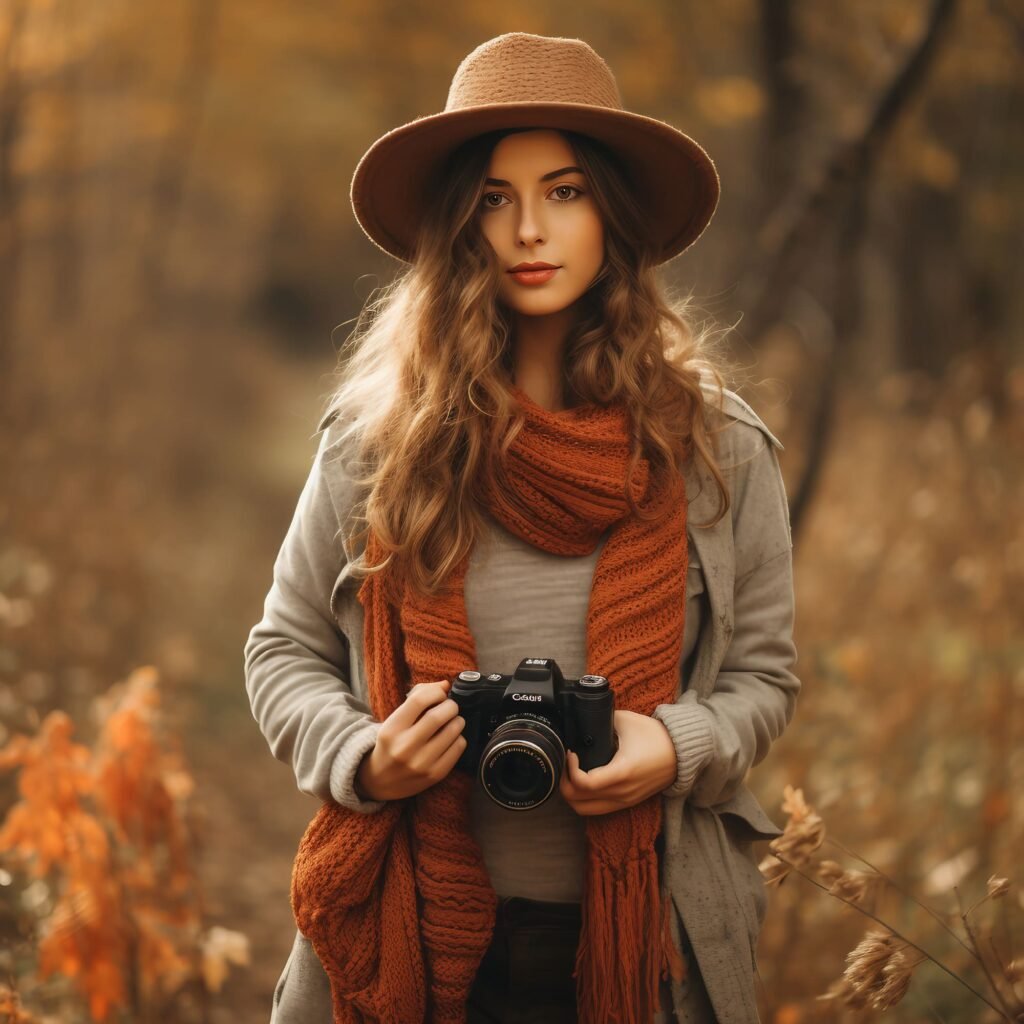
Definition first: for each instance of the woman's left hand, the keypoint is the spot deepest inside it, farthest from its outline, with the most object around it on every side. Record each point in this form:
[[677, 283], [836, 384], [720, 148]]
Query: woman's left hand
[[644, 764]]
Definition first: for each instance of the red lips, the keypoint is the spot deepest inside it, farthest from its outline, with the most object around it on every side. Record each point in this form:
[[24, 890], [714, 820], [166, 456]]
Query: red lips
[[533, 266]]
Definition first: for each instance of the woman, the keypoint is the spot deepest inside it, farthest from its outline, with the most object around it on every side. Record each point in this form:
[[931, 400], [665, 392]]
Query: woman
[[542, 467]]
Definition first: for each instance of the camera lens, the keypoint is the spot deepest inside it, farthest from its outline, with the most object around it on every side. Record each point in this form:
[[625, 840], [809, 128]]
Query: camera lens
[[522, 764], [519, 776]]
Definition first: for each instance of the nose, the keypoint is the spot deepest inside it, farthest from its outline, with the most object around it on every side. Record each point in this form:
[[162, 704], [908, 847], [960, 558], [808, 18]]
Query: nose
[[530, 231]]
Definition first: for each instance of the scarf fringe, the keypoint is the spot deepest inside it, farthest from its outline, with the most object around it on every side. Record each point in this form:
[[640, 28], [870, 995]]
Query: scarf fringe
[[626, 946]]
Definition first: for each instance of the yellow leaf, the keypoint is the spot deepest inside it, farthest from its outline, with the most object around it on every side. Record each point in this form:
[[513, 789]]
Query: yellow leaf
[[221, 947]]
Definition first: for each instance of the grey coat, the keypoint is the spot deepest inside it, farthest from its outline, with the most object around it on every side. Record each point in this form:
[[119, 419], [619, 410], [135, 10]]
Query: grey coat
[[304, 678]]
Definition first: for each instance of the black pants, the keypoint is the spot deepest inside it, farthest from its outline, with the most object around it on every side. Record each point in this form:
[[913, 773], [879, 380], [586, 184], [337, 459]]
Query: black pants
[[526, 974]]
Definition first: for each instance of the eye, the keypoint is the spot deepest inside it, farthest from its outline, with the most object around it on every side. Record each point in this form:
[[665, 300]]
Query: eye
[[570, 188], [491, 195]]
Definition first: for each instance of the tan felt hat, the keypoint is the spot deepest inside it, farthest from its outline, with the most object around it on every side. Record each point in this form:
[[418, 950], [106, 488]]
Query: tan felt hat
[[520, 80]]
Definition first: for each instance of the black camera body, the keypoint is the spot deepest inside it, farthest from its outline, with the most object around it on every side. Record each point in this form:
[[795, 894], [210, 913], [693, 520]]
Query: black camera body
[[519, 727]]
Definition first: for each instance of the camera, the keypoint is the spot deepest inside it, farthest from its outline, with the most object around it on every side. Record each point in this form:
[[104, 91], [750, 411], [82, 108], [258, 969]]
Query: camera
[[519, 727]]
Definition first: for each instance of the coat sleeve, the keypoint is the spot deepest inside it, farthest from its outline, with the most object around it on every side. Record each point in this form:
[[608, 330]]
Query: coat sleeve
[[720, 738], [296, 657]]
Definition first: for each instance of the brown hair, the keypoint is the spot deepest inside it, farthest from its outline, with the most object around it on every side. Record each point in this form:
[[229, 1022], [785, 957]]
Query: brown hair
[[424, 376]]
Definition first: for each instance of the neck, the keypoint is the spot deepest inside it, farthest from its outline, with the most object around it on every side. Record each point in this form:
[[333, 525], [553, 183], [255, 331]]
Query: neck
[[538, 347]]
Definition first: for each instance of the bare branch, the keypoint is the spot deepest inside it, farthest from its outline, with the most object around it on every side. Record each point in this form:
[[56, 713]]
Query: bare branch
[[790, 241]]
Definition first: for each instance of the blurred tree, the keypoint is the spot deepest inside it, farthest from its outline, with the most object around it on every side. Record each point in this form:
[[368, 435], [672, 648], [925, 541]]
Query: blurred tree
[[11, 112], [177, 146], [66, 241], [782, 127]]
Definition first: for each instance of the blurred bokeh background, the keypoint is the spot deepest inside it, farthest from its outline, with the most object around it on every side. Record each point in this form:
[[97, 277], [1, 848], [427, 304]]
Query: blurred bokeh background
[[179, 264]]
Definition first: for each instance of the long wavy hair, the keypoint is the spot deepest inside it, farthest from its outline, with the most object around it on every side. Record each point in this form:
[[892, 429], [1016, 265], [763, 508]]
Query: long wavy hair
[[423, 381]]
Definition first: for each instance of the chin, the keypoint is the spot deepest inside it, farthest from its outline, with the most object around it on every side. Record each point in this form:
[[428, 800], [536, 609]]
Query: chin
[[541, 305]]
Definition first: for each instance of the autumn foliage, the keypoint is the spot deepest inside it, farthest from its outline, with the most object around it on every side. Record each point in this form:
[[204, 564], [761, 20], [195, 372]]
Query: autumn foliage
[[107, 828]]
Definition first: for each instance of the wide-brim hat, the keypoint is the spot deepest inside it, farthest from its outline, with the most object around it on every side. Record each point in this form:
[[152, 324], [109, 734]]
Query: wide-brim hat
[[521, 80]]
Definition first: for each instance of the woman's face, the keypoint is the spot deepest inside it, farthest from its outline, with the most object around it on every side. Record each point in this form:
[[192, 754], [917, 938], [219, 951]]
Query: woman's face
[[536, 207]]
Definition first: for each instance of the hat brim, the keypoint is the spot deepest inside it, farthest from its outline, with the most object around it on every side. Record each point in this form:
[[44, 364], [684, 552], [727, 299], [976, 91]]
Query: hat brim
[[674, 178]]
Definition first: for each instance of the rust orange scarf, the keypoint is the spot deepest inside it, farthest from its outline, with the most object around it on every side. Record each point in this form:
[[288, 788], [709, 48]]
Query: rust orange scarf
[[398, 904]]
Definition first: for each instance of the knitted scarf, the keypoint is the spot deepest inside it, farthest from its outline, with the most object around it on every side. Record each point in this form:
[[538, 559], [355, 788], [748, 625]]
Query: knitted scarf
[[397, 904]]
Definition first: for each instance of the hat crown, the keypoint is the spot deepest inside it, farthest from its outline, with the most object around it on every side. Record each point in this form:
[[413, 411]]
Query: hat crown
[[519, 67]]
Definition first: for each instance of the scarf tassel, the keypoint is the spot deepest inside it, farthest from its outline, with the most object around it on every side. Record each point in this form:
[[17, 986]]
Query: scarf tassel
[[626, 947]]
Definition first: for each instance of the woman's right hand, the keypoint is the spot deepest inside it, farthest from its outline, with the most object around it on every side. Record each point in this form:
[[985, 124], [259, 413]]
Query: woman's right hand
[[417, 746]]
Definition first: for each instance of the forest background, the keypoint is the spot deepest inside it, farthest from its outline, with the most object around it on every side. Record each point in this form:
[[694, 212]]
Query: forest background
[[179, 265]]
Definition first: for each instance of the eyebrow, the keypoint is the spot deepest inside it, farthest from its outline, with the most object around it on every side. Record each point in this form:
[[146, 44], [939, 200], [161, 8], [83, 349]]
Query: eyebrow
[[545, 177]]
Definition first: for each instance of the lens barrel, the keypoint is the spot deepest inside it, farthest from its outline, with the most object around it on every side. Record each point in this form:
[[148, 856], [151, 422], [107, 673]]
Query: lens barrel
[[521, 766]]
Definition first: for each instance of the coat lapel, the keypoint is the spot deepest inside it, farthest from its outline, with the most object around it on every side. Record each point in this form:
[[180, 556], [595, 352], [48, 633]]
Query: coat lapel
[[713, 547]]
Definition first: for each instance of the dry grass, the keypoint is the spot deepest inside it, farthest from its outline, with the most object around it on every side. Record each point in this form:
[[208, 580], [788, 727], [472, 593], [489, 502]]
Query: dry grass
[[908, 736]]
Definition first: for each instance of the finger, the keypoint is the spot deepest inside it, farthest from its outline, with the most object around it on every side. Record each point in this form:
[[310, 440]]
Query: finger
[[566, 788], [576, 784], [441, 741], [433, 768], [446, 762], [587, 805], [566, 785], [408, 744], [590, 808], [597, 779], [431, 722], [581, 785], [417, 700]]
